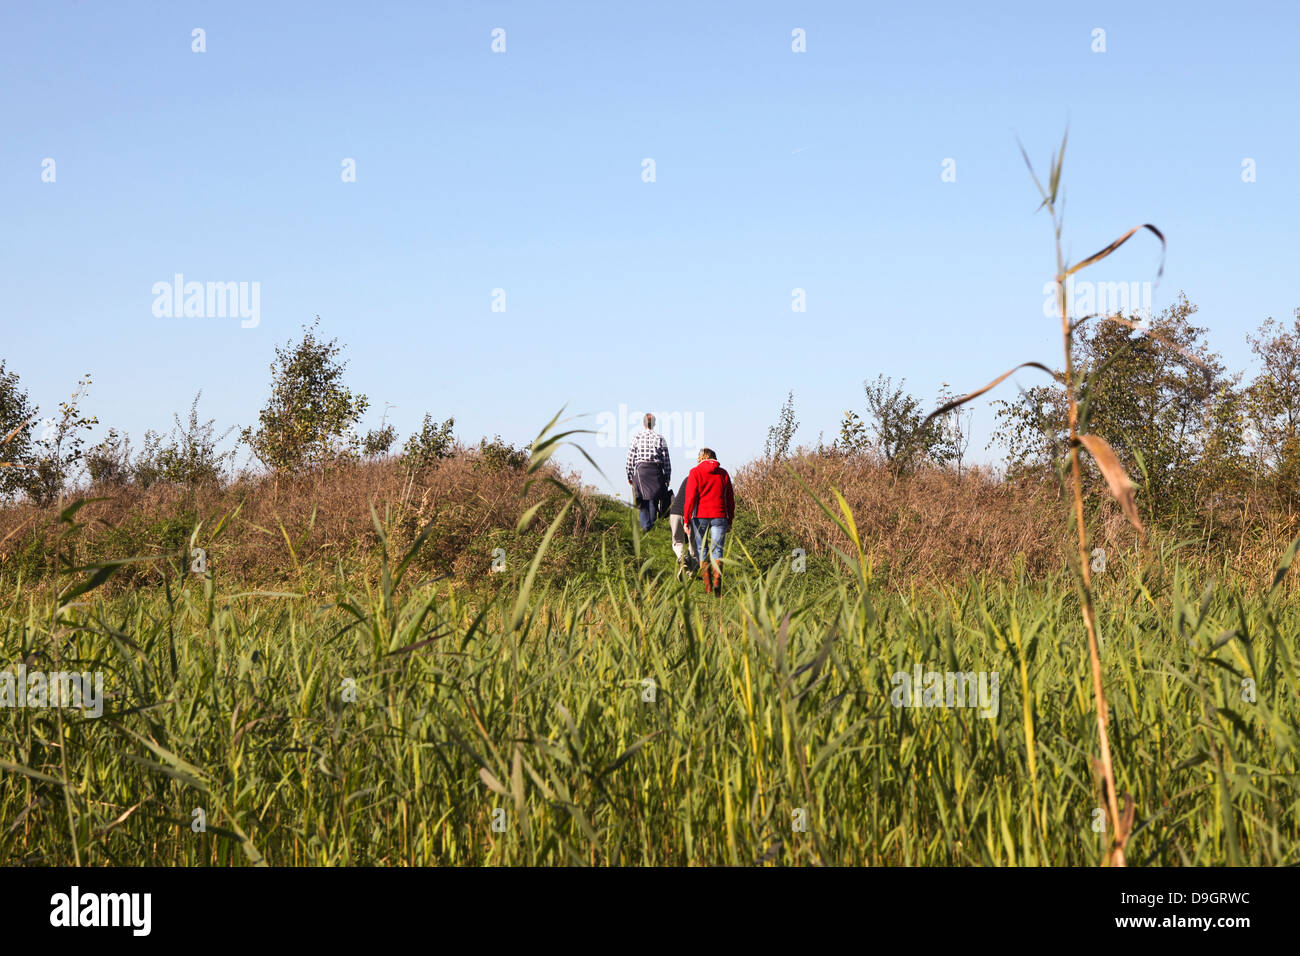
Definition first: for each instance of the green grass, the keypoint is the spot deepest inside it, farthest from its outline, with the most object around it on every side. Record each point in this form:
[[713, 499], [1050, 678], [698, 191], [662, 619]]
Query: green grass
[[523, 706]]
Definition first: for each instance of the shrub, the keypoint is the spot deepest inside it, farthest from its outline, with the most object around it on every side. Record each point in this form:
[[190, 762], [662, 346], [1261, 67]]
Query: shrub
[[16, 417], [378, 441], [902, 434], [431, 443], [192, 457], [57, 453], [109, 462], [310, 415], [498, 455], [780, 435]]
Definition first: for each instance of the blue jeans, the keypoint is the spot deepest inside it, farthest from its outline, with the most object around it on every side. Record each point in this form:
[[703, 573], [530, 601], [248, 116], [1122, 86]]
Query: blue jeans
[[650, 510], [717, 531]]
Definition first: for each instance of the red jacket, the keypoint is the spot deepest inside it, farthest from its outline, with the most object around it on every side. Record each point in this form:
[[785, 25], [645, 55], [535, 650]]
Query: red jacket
[[708, 492]]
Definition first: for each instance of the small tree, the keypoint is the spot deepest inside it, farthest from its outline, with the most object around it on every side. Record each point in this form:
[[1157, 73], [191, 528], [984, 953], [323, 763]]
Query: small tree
[[1273, 402], [192, 458], [429, 444], [1224, 471], [853, 438], [901, 431], [379, 440], [109, 462], [58, 451], [311, 413], [17, 415], [147, 469], [781, 434], [955, 428], [1032, 431], [1151, 393], [500, 455]]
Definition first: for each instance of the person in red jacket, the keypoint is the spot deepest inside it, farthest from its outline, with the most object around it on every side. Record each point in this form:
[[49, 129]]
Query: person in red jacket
[[709, 508]]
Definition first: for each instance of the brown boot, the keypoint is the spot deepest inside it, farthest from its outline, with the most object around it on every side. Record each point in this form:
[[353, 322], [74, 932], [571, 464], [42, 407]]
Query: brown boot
[[706, 572], [717, 580]]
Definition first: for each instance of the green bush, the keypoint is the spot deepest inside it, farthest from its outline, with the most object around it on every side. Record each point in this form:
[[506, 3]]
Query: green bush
[[498, 455], [430, 444]]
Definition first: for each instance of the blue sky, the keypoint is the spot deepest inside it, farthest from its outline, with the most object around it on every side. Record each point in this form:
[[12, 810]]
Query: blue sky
[[522, 171]]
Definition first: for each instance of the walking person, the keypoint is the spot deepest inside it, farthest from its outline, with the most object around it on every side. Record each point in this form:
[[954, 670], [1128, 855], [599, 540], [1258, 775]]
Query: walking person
[[683, 541], [709, 508], [649, 471]]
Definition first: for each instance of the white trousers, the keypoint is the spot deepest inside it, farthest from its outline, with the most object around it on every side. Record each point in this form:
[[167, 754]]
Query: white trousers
[[682, 540]]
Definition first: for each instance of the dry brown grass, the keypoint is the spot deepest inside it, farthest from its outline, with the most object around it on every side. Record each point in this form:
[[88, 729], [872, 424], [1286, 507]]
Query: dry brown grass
[[286, 526], [929, 524]]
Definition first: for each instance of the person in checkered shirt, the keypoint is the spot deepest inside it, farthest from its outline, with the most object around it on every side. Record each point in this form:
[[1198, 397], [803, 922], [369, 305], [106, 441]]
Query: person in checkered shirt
[[650, 472]]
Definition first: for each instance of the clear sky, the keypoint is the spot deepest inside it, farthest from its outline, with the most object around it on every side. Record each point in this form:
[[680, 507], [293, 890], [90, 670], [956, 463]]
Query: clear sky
[[523, 171]]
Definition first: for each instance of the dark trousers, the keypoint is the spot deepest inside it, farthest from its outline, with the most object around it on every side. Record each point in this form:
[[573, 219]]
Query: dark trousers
[[652, 509], [651, 492]]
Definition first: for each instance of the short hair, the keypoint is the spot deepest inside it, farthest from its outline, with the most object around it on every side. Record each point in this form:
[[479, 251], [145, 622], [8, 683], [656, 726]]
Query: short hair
[[708, 453], [648, 421]]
